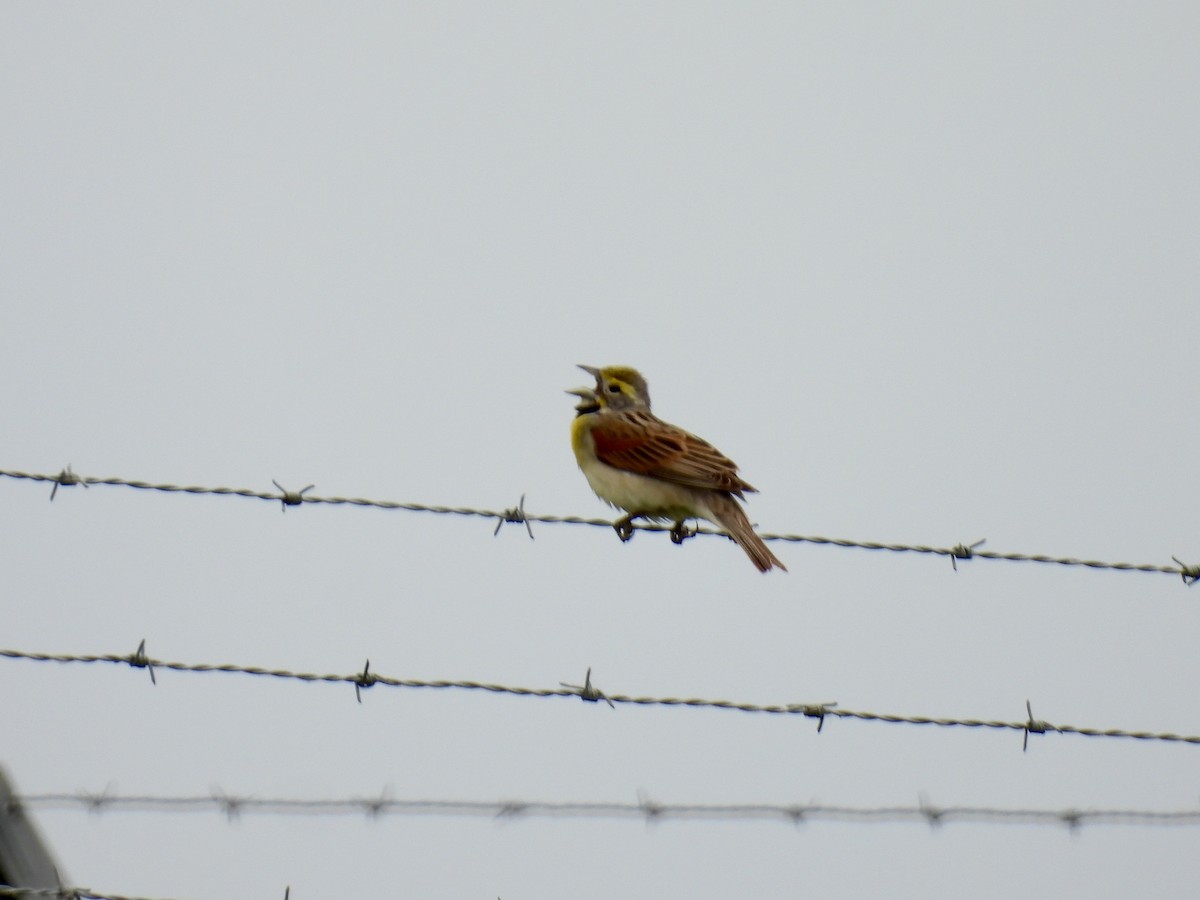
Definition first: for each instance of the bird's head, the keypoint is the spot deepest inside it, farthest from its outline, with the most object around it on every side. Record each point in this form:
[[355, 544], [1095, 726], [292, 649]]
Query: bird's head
[[618, 387]]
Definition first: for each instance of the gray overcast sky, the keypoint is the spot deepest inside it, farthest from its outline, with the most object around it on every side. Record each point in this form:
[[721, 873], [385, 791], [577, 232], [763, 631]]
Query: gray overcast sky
[[927, 271]]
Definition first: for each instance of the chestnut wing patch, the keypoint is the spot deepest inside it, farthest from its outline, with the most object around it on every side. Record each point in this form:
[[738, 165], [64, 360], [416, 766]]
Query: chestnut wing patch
[[642, 443]]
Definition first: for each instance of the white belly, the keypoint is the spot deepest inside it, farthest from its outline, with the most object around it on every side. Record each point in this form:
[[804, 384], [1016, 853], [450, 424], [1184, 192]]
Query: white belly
[[639, 494]]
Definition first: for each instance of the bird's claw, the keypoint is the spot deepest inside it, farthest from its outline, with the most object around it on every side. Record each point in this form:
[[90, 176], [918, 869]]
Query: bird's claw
[[624, 528], [680, 532]]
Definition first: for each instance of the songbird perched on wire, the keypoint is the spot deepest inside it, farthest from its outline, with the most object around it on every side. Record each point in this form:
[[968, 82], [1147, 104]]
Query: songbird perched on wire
[[653, 470]]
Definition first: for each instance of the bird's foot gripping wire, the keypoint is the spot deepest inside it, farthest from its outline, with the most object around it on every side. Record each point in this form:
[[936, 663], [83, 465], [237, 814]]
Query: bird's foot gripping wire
[[624, 527], [680, 532]]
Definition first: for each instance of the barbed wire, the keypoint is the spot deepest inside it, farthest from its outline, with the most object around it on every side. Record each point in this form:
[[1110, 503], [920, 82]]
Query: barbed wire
[[517, 515], [374, 808], [796, 813], [590, 693]]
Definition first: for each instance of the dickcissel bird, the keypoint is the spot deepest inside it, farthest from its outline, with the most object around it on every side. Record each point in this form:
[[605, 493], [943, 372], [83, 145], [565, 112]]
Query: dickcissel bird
[[652, 470]]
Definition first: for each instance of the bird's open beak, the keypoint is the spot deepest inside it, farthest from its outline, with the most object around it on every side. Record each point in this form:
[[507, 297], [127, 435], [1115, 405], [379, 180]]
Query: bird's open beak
[[593, 371], [587, 400]]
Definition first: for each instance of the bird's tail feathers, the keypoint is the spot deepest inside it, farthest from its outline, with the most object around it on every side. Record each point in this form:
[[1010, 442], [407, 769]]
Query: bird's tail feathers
[[729, 514]]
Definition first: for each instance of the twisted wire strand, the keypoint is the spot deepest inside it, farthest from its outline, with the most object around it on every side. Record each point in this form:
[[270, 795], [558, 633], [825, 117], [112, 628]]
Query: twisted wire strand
[[374, 808], [587, 692], [67, 478], [383, 805]]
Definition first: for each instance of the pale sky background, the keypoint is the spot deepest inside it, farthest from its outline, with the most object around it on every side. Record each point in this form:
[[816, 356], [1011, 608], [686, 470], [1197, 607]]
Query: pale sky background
[[928, 272]]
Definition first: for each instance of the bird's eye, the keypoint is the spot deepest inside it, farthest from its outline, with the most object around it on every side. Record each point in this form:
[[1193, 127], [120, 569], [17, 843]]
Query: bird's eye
[[614, 389]]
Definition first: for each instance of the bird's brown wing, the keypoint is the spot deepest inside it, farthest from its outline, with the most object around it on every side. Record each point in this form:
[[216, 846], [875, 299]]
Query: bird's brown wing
[[638, 441]]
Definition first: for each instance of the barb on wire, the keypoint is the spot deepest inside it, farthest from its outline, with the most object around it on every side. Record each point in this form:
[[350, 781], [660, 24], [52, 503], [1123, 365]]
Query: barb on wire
[[95, 802], [1034, 726], [587, 691], [1190, 574], [643, 808], [65, 478], [963, 551], [229, 805], [518, 515], [290, 498], [139, 660], [363, 681], [932, 814], [820, 711]]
